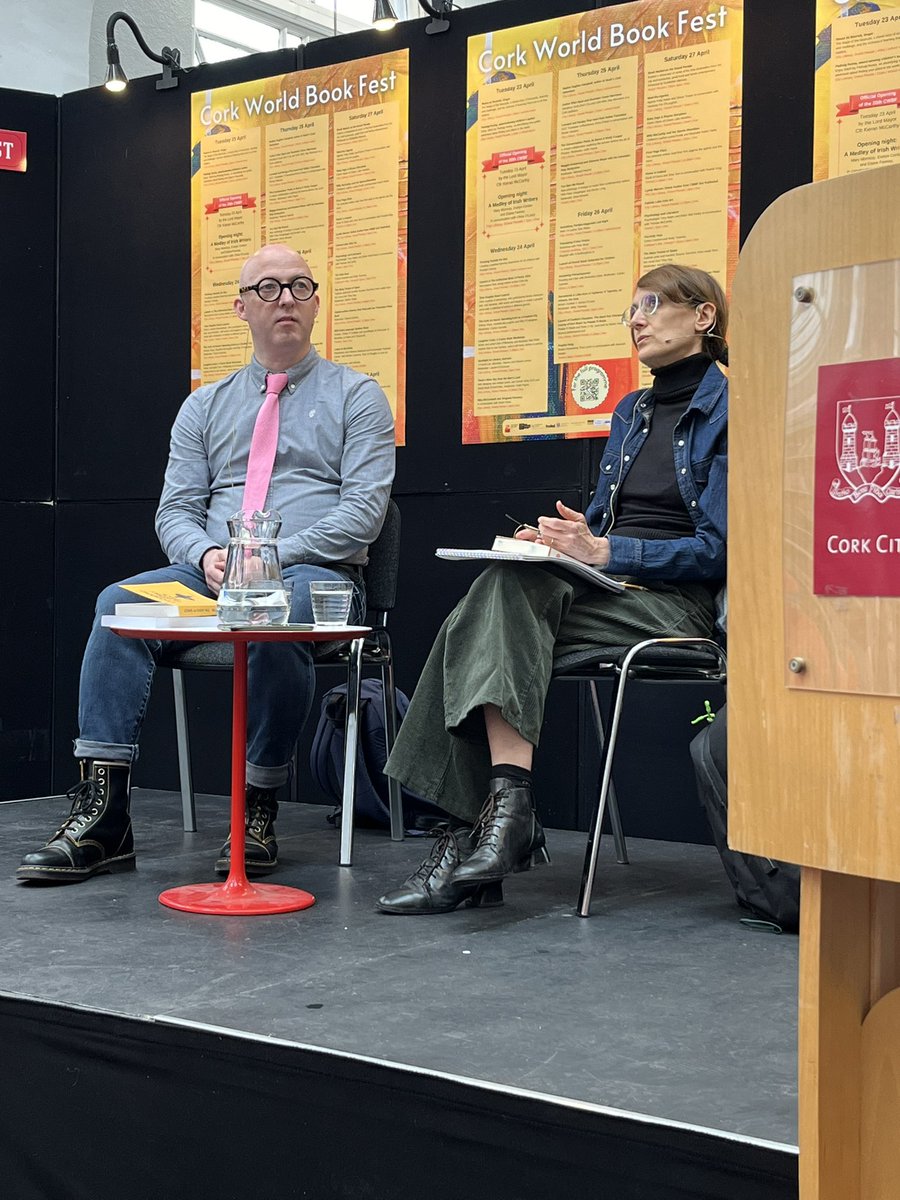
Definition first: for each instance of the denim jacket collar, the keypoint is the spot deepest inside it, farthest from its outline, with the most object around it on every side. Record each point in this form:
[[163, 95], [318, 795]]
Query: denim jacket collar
[[711, 387]]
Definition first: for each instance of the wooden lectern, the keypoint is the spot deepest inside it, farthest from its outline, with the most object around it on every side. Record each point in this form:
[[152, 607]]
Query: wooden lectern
[[814, 643]]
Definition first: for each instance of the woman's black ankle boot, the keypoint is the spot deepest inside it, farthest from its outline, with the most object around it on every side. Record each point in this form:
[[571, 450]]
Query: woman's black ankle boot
[[507, 834], [432, 889]]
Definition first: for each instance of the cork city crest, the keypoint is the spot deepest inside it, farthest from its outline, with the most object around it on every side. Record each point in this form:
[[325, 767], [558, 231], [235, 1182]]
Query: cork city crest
[[867, 451], [856, 528]]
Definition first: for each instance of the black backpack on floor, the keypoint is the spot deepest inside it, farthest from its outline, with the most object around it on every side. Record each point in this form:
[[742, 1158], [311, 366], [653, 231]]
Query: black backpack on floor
[[326, 761], [768, 889]]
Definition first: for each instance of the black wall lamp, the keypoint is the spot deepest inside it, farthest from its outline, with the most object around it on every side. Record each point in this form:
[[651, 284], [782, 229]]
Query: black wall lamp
[[384, 16], [116, 79]]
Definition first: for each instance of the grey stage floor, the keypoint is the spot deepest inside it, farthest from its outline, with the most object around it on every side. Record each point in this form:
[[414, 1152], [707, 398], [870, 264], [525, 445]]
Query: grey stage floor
[[661, 1003]]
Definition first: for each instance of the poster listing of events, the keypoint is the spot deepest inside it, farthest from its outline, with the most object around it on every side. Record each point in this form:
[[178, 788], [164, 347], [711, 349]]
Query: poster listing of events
[[598, 146], [316, 159], [857, 124]]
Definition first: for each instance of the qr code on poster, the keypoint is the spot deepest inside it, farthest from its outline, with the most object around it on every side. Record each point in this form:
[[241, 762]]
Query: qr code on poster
[[590, 386]]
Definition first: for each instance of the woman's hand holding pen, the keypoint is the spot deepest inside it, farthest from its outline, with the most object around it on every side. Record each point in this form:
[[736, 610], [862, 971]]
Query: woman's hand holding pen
[[527, 533], [569, 533]]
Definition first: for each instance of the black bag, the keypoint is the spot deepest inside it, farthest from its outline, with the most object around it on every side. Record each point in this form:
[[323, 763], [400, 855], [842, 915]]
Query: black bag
[[768, 889], [326, 760]]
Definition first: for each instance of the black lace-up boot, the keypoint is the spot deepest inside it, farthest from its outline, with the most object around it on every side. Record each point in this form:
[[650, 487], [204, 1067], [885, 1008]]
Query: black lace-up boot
[[431, 888], [95, 836], [260, 847], [507, 835]]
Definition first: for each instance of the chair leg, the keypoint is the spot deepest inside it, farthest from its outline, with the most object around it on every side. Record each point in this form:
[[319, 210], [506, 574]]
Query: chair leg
[[188, 808], [351, 741], [389, 694], [294, 785], [592, 849], [612, 800], [593, 844]]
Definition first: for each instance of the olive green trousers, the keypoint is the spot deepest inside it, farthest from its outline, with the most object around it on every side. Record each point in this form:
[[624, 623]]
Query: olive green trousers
[[498, 646]]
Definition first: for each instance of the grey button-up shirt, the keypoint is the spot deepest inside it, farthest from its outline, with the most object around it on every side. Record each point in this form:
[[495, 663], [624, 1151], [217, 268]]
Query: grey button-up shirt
[[332, 474]]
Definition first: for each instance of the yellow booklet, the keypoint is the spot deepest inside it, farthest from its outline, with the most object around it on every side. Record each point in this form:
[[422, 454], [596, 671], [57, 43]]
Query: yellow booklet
[[188, 602]]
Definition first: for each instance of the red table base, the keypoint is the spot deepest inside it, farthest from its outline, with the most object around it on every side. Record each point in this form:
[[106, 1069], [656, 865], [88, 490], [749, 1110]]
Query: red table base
[[236, 898]]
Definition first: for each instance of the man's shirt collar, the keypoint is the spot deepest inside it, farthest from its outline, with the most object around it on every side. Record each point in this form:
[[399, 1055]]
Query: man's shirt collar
[[296, 374]]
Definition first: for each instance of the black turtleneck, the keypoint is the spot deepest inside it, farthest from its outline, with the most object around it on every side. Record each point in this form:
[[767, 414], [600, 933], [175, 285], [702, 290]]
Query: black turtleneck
[[649, 504]]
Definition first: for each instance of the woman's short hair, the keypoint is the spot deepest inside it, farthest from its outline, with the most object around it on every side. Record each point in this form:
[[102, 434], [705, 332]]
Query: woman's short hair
[[690, 285]]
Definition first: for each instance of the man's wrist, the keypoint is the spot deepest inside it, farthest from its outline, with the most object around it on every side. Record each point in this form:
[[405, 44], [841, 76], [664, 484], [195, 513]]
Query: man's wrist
[[204, 554]]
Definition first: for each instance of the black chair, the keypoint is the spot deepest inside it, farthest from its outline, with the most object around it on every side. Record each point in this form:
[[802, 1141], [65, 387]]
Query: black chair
[[373, 651], [658, 660]]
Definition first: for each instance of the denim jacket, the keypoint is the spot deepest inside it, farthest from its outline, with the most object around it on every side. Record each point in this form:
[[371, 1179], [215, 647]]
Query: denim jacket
[[700, 445]]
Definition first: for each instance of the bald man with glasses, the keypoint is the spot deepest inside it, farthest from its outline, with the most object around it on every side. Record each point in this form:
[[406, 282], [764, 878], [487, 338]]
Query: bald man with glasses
[[330, 483]]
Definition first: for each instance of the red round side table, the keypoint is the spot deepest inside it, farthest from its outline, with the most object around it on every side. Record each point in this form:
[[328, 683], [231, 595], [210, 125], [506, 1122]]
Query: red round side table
[[237, 896]]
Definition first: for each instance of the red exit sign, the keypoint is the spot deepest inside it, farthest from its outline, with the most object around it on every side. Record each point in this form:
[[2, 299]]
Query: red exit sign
[[13, 147]]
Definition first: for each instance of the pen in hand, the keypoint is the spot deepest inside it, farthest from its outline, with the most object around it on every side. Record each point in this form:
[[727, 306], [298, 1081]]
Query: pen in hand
[[521, 524]]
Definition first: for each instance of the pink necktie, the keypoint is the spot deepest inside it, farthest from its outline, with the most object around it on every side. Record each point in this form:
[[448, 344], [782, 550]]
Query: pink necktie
[[263, 447]]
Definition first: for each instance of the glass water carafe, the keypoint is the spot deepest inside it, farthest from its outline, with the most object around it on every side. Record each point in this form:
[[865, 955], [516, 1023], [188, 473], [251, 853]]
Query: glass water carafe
[[253, 590]]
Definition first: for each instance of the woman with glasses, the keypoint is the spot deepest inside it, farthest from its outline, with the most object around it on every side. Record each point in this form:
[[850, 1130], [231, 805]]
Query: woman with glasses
[[656, 520]]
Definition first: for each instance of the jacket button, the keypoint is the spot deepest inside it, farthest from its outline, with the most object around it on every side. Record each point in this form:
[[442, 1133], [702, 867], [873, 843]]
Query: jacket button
[[628, 458], [681, 442], [684, 470], [693, 504]]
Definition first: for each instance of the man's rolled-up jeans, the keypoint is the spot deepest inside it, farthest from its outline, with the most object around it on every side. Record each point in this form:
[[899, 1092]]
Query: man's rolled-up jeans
[[117, 674]]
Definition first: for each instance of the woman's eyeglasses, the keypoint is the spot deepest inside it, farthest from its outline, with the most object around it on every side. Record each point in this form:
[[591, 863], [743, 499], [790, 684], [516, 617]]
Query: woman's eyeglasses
[[647, 305]]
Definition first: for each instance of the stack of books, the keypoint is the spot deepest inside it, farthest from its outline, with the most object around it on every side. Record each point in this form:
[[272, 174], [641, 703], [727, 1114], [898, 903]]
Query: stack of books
[[167, 605]]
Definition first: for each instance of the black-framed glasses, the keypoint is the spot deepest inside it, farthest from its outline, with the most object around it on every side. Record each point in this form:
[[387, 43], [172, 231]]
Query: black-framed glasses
[[301, 288], [647, 305]]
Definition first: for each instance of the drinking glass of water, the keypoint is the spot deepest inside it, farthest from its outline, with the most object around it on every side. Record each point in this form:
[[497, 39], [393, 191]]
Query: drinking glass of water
[[330, 600]]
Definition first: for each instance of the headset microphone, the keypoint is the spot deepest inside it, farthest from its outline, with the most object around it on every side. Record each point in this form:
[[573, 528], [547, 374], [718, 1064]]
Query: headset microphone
[[688, 337]]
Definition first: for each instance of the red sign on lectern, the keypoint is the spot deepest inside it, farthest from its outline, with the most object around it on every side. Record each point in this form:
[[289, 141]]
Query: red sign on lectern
[[13, 150], [856, 535]]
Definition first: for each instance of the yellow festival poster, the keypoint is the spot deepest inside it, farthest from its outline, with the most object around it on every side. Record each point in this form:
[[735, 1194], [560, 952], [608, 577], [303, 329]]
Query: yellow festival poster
[[598, 145], [857, 86], [317, 159]]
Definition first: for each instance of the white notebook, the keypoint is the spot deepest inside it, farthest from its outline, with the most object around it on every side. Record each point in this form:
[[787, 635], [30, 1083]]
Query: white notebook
[[543, 556]]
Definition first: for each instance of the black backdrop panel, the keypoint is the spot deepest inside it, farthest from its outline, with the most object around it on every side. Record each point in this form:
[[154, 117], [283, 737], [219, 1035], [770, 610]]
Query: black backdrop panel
[[97, 544], [779, 92], [124, 330], [26, 652], [28, 329]]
